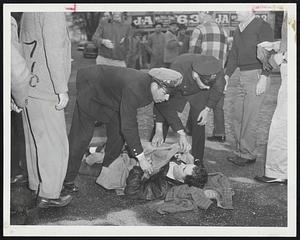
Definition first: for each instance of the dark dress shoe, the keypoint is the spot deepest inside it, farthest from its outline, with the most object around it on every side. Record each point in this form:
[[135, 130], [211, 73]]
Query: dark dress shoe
[[217, 139], [19, 179], [239, 161], [265, 179], [60, 202], [70, 187]]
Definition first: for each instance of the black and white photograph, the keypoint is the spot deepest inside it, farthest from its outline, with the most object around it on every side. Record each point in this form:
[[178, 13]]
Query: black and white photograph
[[149, 119]]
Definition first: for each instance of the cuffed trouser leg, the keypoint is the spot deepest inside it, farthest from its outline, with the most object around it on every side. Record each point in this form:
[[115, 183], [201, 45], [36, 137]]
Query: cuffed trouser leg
[[276, 158], [46, 147], [115, 140], [197, 104], [219, 122], [80, 135], [247, 107], [198, 136]]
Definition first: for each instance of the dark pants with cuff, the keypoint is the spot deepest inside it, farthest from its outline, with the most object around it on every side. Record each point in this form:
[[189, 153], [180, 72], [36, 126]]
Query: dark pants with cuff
[[198, 103], [81, 134]]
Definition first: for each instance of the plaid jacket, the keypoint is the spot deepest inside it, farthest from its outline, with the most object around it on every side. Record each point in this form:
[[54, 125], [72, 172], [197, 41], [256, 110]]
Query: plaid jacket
[[209, 39]]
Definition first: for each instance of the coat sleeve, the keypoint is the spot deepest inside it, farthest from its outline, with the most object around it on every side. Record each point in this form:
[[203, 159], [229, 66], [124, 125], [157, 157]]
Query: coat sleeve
[[232, 59], [97, 37], [265, 34], [20, 74], [129, 124], [195, 42], [168, 110], [216, 91], [55, 42], [171, 41]]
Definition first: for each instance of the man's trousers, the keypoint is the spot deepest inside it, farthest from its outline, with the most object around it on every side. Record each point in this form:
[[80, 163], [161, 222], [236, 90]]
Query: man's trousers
[[276, 160], [18, 152], [246, 110], [81, 134], [197, 104], [46, 146], [219, 122]]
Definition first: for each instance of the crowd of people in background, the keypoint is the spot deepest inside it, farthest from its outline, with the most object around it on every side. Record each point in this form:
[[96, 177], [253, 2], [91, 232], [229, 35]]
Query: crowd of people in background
[[185, 66]]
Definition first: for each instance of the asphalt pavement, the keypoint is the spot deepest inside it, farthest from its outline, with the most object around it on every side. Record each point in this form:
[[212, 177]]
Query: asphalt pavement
[[255, 204]]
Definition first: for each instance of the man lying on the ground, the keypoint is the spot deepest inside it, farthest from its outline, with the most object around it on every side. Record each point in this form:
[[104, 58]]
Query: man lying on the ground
[[111, 95], [175, 172]]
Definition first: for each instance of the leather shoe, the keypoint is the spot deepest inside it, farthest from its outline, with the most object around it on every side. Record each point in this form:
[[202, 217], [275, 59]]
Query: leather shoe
[[19, 179], [59, 202], [70, 187], [239, 161], [217, 139], [265, 179]]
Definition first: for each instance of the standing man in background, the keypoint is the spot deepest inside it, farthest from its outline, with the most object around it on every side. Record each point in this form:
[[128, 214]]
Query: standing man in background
[[276, 158], [172, 44], [47, 50], [112, 40], [156, 43], [211, 39], [253, 82], [183, 37]]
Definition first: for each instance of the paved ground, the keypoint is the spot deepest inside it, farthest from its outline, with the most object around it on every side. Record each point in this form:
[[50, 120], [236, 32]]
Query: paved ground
[[255, 204]]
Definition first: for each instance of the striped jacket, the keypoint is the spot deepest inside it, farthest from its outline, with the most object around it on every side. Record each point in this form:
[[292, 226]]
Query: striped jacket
[[210, 39]]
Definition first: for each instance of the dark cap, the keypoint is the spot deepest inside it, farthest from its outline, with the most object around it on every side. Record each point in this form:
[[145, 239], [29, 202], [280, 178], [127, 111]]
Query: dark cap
[[157, 23], [182, 26], [207, 65], [173, 21]]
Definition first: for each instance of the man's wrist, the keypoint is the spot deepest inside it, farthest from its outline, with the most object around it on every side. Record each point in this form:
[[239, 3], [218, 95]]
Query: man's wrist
[[181, 133], [140, 156]]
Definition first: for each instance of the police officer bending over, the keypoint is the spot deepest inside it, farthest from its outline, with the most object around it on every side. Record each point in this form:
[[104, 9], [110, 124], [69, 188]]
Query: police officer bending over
[[202, 86], [111, 95]]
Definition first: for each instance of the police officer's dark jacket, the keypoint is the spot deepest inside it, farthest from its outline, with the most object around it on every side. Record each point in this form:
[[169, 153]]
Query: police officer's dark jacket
[[187, 89], [116, 89]]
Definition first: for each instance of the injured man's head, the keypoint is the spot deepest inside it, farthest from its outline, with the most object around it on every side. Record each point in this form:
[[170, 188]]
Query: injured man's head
[[193, 174]]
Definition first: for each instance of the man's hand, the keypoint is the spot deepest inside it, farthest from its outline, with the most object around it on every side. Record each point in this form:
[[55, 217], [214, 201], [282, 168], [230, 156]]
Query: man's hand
[[107, 43], [261, 85], [202, 118], [226, 82], [144, 163], [183, 141], [180, 43], [157, 139], [278, 58], [14, 107], [63, 101]]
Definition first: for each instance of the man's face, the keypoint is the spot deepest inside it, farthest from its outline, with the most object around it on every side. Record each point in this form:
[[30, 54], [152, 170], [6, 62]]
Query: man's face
[[243, 16], [183, 170], [116, 16], [158, 28], [160, 95], [201, 17], [173, 27], [106, 15]]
